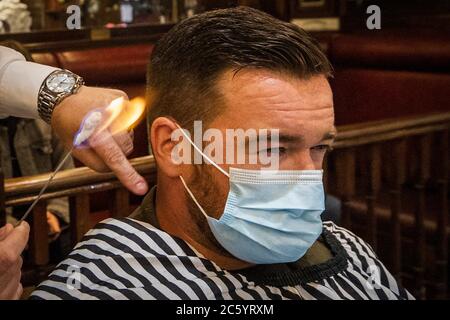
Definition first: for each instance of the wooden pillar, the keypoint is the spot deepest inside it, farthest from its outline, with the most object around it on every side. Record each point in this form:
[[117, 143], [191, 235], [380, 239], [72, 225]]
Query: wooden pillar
[[420, 213], [79, 216], [2, 199], [373, 187], [396, 181], [442, 219], [39, 235], [120, 204], [345, 181]]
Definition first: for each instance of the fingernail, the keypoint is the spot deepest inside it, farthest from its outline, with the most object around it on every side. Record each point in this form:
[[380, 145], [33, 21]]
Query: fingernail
[[141, 186]]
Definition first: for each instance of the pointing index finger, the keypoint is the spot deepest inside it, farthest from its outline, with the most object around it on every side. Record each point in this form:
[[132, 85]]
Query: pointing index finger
[[110, 152]]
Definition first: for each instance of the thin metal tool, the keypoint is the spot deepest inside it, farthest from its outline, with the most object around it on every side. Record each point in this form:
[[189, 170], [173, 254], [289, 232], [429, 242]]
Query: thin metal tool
[[45, 186], [89, 124]]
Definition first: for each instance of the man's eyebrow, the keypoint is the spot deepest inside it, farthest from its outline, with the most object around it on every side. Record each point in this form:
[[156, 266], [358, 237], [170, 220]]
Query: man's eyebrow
[[288, 138], [330, 135], [282, 138]]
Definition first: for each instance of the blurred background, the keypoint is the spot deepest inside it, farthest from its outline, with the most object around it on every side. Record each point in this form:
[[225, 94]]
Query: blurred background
[[343, 15], [387, 175]]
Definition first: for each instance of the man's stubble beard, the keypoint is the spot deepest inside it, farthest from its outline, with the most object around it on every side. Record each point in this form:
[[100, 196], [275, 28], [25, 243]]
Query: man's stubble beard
[[205, 190]]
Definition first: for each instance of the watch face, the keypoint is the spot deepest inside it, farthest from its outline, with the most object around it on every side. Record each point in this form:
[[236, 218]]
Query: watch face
[[60, 82]]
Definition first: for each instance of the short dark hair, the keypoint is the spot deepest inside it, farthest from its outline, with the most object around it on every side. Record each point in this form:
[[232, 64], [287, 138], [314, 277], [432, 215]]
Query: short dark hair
[[187, 61]]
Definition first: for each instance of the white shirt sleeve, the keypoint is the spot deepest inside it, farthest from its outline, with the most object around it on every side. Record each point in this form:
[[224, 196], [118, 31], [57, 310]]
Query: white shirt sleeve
[[20, 82]]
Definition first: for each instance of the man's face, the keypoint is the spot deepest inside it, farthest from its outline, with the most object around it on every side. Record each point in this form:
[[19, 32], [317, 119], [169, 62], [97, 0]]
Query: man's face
[[302, 111]]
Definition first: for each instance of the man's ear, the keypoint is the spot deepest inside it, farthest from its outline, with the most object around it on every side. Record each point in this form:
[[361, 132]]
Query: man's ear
[[162, 145]]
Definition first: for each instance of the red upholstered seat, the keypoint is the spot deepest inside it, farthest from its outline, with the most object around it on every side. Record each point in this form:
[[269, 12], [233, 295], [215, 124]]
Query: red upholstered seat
[[377, 75], [110, 65], [380, 75]]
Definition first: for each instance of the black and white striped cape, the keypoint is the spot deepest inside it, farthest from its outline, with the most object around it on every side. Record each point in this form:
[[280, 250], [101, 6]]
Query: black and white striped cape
[[129, 259]]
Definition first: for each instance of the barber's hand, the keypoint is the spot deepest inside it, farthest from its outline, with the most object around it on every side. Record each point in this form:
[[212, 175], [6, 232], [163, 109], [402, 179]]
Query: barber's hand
[[106, 152], [12, 242]]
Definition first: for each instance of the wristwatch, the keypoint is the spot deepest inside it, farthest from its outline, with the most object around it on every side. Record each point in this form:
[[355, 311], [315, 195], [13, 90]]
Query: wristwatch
[[57, 86]]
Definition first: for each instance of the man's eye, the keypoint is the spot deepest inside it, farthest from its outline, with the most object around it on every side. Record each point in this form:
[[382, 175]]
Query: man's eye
[[322, 147], [280, 151]]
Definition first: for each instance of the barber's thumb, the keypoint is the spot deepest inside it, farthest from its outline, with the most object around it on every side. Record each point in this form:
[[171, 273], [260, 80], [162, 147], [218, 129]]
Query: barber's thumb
[[23, 228]]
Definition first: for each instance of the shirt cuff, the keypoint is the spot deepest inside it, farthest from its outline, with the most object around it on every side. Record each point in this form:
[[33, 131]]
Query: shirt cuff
[[20, 86]]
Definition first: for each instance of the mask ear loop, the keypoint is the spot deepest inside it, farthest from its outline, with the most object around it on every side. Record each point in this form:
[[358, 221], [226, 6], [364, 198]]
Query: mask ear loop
[[193, 197], [209, 160], [201, 152]]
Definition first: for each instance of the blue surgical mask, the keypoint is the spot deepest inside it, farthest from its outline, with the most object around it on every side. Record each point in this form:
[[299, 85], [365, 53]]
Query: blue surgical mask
[[270, 216]]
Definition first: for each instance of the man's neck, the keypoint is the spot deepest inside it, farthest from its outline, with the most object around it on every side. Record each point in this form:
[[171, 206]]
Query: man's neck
[[175, 219]]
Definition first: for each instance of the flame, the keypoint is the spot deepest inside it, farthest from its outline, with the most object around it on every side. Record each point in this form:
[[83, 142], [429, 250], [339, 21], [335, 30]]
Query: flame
[[130, 115], [121, 115]]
